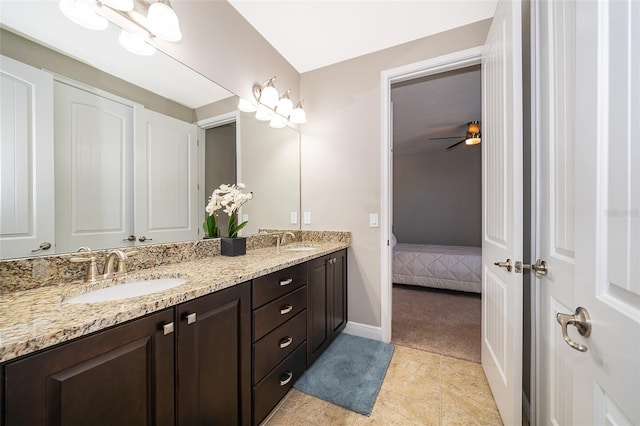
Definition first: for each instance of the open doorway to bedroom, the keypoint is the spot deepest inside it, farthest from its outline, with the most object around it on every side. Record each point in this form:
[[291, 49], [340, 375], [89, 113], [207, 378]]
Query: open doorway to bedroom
[[437, 213]]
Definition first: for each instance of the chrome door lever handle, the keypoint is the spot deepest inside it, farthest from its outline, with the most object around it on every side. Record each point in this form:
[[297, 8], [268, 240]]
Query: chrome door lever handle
[[580, 320], [507, 265]]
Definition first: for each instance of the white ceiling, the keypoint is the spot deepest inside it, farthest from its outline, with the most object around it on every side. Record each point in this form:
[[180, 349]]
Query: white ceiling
[[311, 34]]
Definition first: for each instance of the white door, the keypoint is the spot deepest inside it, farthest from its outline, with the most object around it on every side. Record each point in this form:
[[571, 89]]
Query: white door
[[94, 163], [589, 61], [26, 170], [502, 210], [166, 179]]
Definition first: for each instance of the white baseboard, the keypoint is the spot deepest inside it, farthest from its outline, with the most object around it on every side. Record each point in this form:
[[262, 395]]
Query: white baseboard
[[364, 330]]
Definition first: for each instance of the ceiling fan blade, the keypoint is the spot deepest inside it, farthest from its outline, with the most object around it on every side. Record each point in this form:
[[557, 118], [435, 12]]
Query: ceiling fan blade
[[448, 137], [449, 148]]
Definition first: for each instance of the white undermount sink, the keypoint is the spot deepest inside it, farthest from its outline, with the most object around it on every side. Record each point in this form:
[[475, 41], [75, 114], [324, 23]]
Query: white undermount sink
[[300, 248], [127, 290]]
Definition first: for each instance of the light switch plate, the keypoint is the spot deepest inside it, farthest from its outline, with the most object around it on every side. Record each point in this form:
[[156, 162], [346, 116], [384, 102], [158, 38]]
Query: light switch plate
[[307, 218], [245, 217], [373, 220], [294, 218]]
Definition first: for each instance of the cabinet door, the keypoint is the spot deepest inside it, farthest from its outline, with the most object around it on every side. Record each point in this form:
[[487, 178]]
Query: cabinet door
[[121, 376], [318, 335], [338, 284], [26, 150], [166, 179], [214, 358]]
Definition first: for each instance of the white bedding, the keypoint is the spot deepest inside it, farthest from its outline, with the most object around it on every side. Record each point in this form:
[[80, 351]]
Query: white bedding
[[439, 266]]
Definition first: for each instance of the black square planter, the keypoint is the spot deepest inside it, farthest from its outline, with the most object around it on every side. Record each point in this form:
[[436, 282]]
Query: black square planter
[[233, 246]]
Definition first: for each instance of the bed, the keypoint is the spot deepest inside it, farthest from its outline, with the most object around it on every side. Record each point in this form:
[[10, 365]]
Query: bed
[[438, 266]]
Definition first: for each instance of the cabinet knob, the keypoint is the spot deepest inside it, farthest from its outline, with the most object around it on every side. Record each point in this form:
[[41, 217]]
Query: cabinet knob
[[286, 378], [285, 341], [286, 309], [167, 329], [286, 282], [191, 318]]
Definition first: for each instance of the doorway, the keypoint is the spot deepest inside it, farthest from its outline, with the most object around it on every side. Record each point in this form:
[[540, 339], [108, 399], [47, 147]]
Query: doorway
[[437, 213]]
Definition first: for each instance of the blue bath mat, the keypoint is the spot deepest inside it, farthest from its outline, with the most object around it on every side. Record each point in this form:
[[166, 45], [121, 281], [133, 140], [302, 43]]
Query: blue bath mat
[[349, 373]]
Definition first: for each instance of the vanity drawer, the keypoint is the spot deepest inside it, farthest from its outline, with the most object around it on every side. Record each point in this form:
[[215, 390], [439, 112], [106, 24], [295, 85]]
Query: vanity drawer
[[278, 283], [277, 345], [272, 388], [277, 312]]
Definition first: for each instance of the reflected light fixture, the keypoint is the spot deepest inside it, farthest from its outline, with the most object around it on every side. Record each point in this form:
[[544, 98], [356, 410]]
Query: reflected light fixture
[[269, 106], [141, 21]]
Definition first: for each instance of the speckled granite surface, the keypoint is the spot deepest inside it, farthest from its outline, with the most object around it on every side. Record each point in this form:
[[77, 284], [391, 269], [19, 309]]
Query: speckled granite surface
[[38, 317]]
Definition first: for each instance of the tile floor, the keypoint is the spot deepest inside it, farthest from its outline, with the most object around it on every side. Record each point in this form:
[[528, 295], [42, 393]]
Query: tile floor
[[420, 388]]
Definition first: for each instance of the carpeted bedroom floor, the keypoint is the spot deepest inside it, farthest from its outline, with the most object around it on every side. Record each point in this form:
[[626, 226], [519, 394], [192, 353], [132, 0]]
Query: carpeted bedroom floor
[[440, 321]]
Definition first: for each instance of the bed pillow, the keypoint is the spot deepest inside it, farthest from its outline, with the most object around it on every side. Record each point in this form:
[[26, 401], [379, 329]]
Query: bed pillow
[[394, 240]]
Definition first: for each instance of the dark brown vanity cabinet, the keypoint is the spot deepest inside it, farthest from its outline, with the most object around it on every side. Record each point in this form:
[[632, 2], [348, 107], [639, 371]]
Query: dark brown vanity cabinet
[[327, 302], [279, 336], [213, 352], [187, 365], [120, 376]]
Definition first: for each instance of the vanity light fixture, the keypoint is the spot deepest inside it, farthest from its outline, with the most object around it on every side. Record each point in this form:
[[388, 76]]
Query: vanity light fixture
[[269, 106], [140, 21]]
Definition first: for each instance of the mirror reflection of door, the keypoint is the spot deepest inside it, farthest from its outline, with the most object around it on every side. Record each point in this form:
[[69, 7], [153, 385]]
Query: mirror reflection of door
[[220, 163]]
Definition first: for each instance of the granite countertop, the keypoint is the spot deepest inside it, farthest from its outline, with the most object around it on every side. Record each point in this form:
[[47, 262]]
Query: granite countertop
[[31, 320]]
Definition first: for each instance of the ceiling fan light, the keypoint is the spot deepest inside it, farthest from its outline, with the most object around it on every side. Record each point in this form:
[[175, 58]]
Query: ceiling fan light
[[473, 127], [163, 21], [123, 5], [473, 139], [83, 14], [135, 43]]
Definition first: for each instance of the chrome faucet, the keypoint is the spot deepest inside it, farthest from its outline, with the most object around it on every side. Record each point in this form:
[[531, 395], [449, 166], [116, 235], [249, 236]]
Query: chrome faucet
[[284, 236]]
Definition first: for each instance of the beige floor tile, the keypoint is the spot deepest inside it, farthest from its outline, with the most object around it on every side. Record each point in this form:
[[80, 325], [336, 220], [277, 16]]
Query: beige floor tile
[[395, 409], [454, 366], [317, 411], [468, 396], [415, 374], [285, 418]]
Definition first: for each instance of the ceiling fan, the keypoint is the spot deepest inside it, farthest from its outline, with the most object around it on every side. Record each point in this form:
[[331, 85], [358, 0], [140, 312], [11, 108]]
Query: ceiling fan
[[473, 136]]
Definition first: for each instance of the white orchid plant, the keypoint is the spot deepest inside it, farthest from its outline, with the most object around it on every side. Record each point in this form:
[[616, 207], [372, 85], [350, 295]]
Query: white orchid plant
[[229, 198]]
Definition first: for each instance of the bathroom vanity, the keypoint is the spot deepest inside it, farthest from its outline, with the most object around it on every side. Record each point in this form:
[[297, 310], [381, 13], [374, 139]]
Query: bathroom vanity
[[223, 348]]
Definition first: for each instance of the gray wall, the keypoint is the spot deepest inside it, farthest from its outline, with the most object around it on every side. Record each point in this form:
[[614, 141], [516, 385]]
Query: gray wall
[[220, 163], [437, 197]]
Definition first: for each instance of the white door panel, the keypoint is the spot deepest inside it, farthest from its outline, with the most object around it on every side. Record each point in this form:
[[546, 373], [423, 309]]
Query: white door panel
[[502, 209], [94, 162], [26, 170], [166, 176]]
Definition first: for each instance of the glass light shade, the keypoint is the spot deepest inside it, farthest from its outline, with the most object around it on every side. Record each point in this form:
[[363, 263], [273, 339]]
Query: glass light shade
[[135, 43], [285, 106], [124, 5], [473, 139], [298, 116], [163, 21], [83, 15], [246, 106], [269, 96], [264, 114], [473, 127], [278, 122]]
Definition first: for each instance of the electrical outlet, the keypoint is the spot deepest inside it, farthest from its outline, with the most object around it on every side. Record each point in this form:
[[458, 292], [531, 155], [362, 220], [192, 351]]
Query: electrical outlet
[[307, 218], [245, 217], [294, 218]]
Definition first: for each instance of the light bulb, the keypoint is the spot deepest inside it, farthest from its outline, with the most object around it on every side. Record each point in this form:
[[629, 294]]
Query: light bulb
[[246, 106], [298, 116], [269, 96], [83, 15], [163, 21], [135, 43]]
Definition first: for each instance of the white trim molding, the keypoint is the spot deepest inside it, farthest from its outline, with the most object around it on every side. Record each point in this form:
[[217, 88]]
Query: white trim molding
[[440, 64], [363, 330]]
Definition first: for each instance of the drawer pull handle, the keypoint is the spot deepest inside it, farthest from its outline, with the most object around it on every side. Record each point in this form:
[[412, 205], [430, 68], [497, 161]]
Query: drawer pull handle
[[286, 309], [191, 318], [286, 282], [286, 378], [286, 341], [167, 329]]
